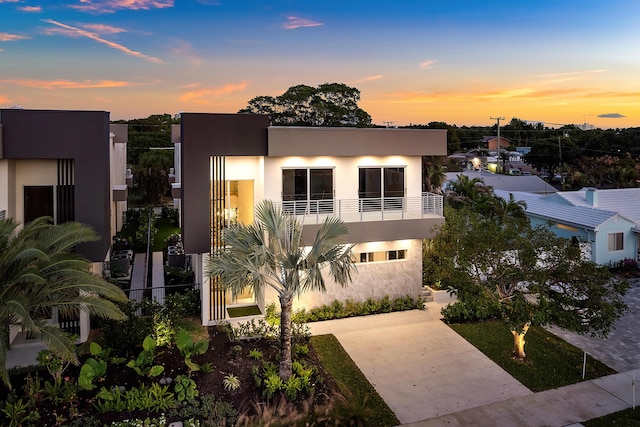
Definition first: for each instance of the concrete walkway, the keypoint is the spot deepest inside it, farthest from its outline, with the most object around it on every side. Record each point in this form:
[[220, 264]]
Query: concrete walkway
[[430, 376]]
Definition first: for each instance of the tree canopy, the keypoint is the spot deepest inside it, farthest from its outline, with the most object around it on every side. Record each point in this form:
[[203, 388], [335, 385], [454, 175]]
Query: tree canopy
[[501, 267], [329, 104]]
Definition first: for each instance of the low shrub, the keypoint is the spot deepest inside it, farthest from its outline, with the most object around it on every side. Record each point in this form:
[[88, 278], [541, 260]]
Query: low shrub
[[349, 308]]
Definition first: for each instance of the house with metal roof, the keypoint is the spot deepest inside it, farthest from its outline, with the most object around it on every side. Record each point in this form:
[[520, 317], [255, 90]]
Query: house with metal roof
[[521, 183], [609, 233]]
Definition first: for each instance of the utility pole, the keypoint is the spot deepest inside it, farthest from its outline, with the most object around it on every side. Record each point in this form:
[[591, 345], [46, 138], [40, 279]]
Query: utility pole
[[498, 143]]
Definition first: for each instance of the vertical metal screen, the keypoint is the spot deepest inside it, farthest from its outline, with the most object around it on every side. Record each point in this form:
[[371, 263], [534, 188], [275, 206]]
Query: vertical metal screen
[[65, 201], [217, 302]]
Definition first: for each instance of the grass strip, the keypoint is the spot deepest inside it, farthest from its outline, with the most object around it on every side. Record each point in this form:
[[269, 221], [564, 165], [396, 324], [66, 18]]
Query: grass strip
[[628, 418], [250, 310], [342, 368], [551, 362]]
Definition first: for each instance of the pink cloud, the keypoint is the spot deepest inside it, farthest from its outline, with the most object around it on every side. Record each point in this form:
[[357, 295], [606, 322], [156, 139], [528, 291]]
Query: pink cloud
[[70, 31], [34, 9], [6, 37], [111, 6], [197, 96], [294, 22], [368, 79], [428, 63], [103, 29]]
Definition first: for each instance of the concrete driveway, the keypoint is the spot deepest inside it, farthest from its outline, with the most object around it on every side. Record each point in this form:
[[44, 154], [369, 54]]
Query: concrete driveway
[[419, 366], [620, 350]]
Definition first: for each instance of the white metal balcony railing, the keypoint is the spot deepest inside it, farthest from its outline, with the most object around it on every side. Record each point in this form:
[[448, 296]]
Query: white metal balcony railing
[[359, 210]]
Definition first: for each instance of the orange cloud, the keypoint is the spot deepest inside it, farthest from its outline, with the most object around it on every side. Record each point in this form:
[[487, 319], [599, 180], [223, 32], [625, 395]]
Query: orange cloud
[[70, 31], [111, 6], [6, 37], [4, 100], [66, 84], [294, 22], [197, 96]]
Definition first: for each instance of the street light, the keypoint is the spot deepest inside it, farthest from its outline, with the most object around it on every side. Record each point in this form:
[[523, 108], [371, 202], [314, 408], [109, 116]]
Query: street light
[[498, 143]]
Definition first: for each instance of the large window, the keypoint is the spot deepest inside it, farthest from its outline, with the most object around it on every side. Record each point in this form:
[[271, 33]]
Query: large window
[[307, 190], [381, 186], [616, 242]]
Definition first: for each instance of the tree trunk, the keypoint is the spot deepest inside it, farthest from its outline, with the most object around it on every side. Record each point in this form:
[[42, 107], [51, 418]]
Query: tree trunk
[[519, 342], [286, 304]]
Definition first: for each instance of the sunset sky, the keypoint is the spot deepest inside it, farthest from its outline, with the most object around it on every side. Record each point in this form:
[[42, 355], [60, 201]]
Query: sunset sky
[[414, 61]]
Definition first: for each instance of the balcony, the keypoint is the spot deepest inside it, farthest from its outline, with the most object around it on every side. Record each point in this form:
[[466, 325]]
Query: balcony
[[428, 206]]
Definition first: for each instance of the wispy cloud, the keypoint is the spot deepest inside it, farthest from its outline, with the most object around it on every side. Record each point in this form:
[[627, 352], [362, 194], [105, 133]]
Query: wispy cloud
[[111, 6], [611, 116], [9, 1], [568, 76], [31, 9], [66, 84], [78, 32], [103, 28], [428, 63], [199, 96], [294, 22], [367, 79], [6, 37]]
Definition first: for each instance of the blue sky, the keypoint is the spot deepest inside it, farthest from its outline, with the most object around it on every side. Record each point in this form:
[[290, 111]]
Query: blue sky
[[414, 61]]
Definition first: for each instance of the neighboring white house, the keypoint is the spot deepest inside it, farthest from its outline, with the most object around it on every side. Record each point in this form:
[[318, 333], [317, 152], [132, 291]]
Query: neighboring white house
[[370, 178], [607, 220]]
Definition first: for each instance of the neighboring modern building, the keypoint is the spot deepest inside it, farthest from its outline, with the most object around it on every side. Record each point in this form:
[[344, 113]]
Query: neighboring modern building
[[370, 178], [69, 165], [607, 221]]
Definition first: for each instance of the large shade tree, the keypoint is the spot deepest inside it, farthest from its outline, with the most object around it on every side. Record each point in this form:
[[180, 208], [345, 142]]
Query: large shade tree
[[270, 253], [40, 272], [329, 104], [529, 275]]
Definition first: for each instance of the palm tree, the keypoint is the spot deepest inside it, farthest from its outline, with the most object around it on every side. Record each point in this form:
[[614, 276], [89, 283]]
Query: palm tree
[[270, 252], [467, 191], [39, 272]]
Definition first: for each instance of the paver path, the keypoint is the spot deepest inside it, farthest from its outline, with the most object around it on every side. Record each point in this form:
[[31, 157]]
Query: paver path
[[419, 366]]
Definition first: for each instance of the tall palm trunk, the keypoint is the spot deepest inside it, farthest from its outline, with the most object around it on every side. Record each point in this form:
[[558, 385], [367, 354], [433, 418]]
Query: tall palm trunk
[[286, 305], [519, 342]]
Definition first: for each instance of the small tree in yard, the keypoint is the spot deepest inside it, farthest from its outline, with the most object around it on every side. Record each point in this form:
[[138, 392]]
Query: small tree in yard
[[271, 252], [532, 276]]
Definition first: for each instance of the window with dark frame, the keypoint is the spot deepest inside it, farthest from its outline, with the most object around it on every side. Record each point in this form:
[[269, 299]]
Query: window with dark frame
[[307, 190], [378, 184]]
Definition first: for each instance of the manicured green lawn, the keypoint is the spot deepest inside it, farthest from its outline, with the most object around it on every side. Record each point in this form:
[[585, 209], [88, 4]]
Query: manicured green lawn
[[251, 310], [342, 368], [627, 418], [165, 229], [551, 362]]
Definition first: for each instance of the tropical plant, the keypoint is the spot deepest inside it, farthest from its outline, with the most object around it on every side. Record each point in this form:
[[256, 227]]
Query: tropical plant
[[231, 382], [271, 252], [143, 364], [188, 348], [185, 388], [40, 272]]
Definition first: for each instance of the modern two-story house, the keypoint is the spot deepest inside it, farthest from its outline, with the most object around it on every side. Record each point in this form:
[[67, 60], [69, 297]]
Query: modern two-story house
[[370, 178], [70, 166]]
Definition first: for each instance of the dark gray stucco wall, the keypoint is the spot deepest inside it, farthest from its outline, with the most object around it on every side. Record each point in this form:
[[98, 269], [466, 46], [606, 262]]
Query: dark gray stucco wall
[[205, 135], [79, 135]]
